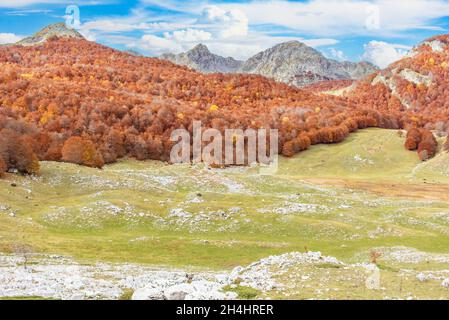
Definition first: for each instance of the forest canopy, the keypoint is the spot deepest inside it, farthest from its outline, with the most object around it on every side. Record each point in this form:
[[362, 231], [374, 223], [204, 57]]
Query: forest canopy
[[80, 102]]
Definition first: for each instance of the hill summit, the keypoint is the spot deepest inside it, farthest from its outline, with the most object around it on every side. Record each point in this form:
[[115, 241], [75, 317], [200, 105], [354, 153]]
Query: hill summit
[[59, 30]]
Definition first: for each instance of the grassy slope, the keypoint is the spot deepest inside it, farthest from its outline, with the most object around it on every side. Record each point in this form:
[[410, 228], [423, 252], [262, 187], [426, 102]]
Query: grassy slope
[[323, 198]]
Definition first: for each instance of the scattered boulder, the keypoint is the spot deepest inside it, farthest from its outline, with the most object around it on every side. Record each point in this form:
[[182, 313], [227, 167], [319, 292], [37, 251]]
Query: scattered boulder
[[197, 290]]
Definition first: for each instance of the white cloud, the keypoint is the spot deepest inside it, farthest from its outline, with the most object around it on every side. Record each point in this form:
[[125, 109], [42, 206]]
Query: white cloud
[[156, 45], [315, 43], [342, 17], [175, 42], [337, 54], [9, 38], [23, 3], [114, 25], [231, 23], [27, 12], [241, 29], [383, 54], [188, 35], [241, 51]]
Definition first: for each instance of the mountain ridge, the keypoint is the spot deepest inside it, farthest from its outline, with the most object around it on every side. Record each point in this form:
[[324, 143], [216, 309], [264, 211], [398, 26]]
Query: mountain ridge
[[292, 62]]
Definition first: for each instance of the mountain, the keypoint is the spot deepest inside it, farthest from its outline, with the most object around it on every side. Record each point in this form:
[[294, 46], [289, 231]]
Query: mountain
[[296, 64], [59, 30], [202, 60], [292, 63]]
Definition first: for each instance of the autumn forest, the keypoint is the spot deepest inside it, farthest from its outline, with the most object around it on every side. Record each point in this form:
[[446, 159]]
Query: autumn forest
[[80, 102]]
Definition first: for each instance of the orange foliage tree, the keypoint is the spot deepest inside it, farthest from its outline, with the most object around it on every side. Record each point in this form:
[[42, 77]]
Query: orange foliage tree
[[81, 151], [16, 153]]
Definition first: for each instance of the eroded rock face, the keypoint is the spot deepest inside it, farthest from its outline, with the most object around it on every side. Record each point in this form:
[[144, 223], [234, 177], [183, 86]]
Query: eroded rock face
[[296, 64], [202, 60]]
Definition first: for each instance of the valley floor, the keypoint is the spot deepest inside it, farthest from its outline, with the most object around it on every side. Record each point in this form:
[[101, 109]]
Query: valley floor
[[133, 224]]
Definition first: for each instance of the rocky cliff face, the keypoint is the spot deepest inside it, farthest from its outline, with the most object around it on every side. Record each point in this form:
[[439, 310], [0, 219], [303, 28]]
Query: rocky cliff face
[[201, 59], [296, 64], [59, 30], [293, 63]]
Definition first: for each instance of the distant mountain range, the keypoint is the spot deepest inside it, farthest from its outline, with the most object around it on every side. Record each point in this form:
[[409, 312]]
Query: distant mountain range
[[292, 62]]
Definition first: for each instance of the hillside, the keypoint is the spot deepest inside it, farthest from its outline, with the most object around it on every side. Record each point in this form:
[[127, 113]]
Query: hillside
[[77, 101], [346, 200], [68, 99], [413, 89]]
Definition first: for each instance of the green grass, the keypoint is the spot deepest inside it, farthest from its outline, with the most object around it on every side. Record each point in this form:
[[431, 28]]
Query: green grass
[[340, 199], [244, 293]]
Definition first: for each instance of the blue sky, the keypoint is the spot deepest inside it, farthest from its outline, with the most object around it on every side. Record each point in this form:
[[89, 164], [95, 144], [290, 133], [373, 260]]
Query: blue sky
[[379, 31]]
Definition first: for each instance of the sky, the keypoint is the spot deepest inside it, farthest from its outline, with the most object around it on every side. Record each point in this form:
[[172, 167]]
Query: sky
[[378, 31]]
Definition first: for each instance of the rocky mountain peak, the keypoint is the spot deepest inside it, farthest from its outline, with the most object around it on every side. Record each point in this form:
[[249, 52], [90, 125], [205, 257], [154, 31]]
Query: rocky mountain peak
[[299, 65], [59, 30], [201, 59], [201, 48]]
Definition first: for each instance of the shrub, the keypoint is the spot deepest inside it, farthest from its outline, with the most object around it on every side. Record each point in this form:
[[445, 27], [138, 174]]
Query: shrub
[[17, 154], [428, 146], [81, 151], [413, 139]]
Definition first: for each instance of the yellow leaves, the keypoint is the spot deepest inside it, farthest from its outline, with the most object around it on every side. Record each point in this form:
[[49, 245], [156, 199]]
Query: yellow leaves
[[414, 119], [27, 75], [285, 119], [431, 61], [214, 107], [111, 98], [445, 64], [45, 117], [317, 110], [180, 116], [235, 138]]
